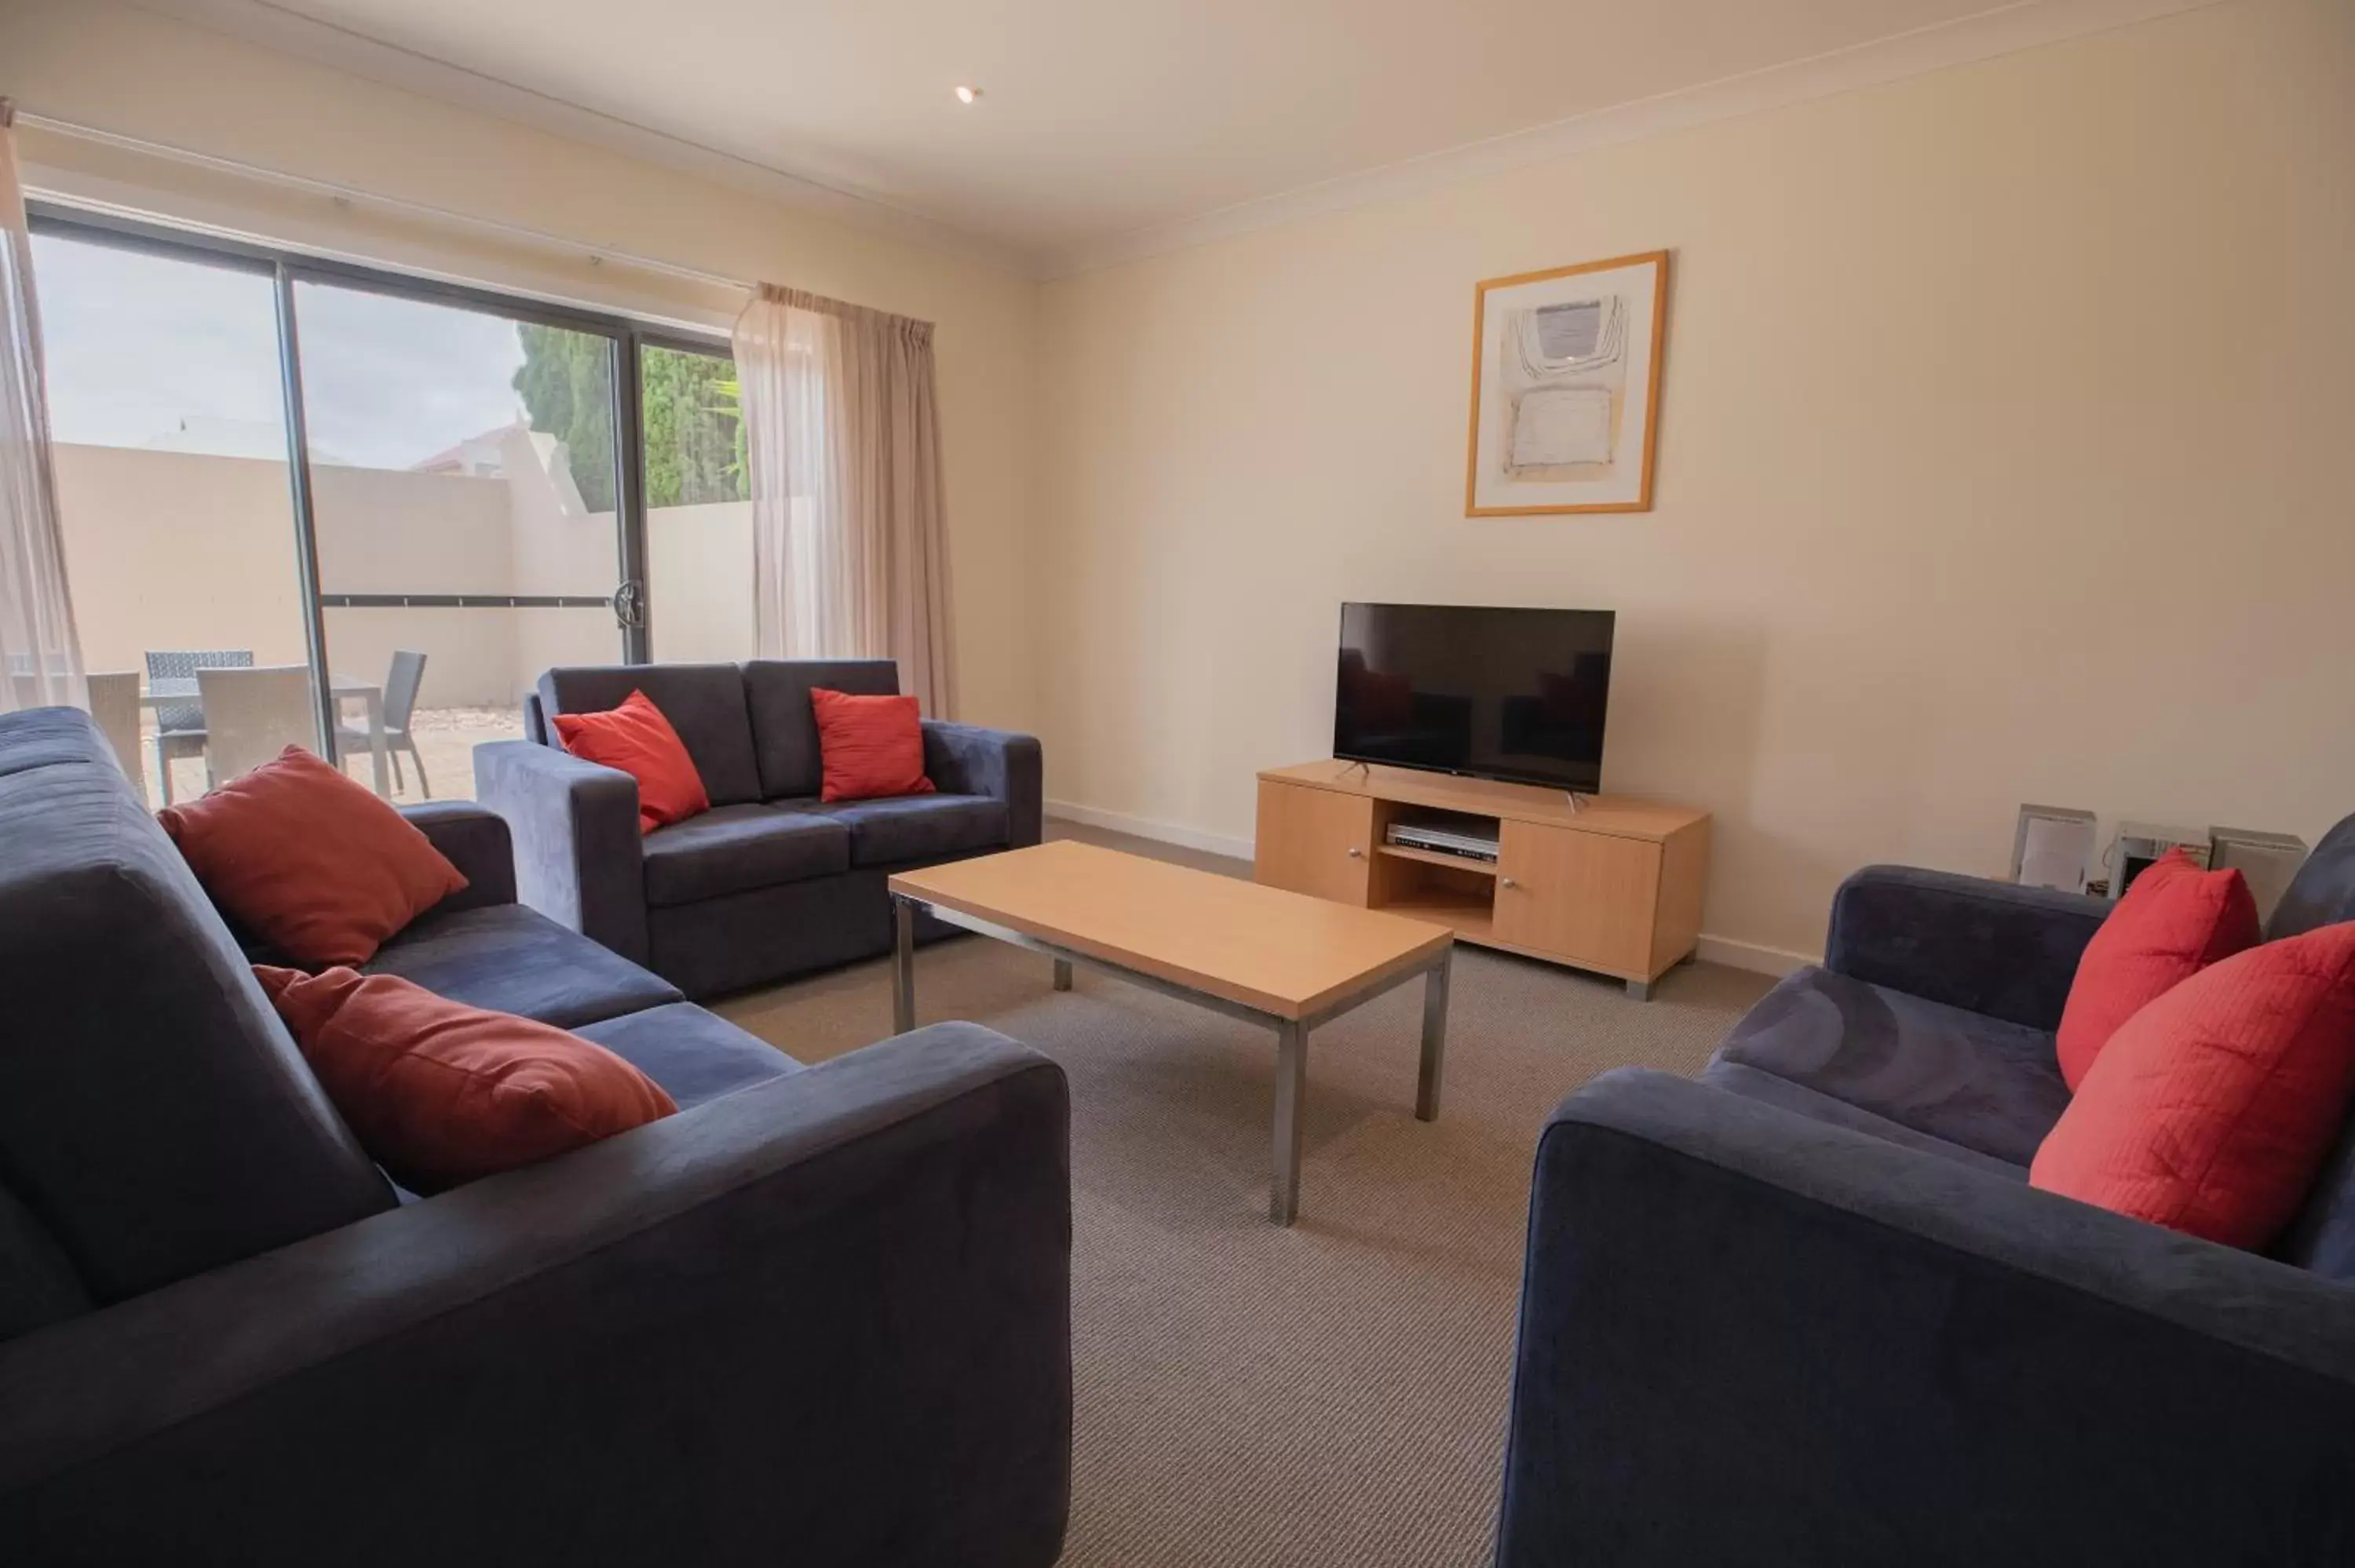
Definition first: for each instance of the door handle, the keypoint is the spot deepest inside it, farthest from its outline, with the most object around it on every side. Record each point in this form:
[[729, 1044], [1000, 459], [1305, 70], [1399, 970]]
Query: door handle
[[630, 604], [1506, 881], [1357, 853]]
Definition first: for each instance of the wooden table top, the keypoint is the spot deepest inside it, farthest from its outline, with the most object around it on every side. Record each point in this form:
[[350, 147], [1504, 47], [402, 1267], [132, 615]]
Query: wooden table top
[[1282, 953]]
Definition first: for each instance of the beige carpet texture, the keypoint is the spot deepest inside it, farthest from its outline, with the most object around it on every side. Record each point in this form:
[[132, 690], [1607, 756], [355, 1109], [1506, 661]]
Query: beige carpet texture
[[1332, 1394]]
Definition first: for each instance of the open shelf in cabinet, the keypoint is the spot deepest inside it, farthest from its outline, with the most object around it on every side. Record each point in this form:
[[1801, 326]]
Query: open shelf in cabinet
[[1435, 857]]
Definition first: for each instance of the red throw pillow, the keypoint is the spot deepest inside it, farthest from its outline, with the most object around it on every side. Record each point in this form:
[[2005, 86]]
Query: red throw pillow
[[2174, 921], [309, 860], [637, 740], [2213, 1108], [440, 1093], [870, 746]]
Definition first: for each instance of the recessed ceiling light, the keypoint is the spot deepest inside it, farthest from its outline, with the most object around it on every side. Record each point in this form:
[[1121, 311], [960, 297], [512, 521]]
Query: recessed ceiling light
[[967, 95]]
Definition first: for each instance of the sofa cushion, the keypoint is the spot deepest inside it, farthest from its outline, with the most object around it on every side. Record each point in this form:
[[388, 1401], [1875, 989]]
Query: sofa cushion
[[2322, 1235], [309, 860], [38, 1284], [443, 1094], [734, 848], [154, 1116], [704, 702], [2175, 921], [513, 959], [1752, 1084], [1962, 1077], [870, 748], [694, 1054], [2323, 891], [897, 829], [784, 730], [636, 738], [2212, 1109]]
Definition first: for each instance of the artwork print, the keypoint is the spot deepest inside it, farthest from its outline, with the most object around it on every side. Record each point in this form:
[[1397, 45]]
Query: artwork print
[[1565, 388]]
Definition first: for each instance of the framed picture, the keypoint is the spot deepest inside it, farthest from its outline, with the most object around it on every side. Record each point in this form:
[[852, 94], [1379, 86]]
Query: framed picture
[[1566, 389]]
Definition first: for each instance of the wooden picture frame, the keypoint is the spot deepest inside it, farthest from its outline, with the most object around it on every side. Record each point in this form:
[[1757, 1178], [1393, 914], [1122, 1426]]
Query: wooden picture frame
[[1566, 389]]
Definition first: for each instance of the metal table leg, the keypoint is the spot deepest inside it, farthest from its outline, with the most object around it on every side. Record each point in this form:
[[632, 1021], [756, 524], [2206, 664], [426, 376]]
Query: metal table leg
[[1291, 1106], [903, 964], [1434, 1037]]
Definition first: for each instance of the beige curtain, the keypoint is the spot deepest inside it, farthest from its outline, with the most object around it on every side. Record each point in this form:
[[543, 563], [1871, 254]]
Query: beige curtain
[[850, 535], [40, 657]]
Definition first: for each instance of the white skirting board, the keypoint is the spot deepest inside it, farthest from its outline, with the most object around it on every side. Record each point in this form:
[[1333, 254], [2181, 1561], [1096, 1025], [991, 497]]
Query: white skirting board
[[1146, 828], [1754, 956], [1751, 955]]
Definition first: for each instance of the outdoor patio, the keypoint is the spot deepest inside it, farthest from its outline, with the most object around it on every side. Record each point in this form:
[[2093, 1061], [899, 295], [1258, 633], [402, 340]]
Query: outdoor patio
[[446, 738]]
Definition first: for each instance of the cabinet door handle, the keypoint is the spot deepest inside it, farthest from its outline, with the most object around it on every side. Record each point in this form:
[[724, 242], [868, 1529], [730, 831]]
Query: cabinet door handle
[[1357, 853], [1506, 881]]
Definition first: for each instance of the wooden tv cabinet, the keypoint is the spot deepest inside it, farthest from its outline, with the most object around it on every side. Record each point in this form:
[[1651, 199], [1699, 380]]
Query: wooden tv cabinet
[[1613, 885]]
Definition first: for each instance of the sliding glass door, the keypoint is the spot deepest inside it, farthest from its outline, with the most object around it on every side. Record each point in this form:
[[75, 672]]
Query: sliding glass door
[[466, 483], [394, 500], [699, 503], [166, 407]]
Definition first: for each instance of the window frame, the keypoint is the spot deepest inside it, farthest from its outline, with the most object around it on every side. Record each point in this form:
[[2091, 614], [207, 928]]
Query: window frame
[[633, 602]]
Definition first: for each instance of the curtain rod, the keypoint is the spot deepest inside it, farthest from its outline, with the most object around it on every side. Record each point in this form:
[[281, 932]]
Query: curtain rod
[[349, 194]]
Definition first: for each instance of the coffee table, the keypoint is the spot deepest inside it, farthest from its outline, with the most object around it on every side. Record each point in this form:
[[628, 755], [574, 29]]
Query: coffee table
[[1260, 954]]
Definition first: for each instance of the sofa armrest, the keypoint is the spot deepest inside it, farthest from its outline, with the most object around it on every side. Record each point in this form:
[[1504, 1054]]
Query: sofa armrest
[[1748, 1336], [1991, 947], [825, 1318], [475, 839], [578, 853], [966, 759]]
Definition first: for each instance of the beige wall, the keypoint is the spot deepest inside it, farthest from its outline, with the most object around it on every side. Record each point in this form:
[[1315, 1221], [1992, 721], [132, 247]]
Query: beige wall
[[2002, 457], [106, 64]]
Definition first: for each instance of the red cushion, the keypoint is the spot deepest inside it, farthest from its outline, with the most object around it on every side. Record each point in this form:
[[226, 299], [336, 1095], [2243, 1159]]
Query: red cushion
[[871, 745], [309, 860], [2213, 1107], [440, 1093], [2174, 921], [637, 740]]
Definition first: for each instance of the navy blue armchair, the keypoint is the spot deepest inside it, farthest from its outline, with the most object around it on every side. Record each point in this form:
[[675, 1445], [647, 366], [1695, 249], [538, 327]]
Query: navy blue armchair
[[1808, 1310]]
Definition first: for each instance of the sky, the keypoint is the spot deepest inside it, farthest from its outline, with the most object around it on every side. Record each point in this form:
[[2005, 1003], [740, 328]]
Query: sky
[[135, 345]]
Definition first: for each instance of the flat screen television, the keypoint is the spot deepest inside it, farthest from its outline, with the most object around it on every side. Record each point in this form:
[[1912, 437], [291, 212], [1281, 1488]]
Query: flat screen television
[[1518, 695]]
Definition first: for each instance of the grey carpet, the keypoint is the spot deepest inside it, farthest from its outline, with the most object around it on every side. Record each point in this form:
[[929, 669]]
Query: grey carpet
[[1330, 1394]]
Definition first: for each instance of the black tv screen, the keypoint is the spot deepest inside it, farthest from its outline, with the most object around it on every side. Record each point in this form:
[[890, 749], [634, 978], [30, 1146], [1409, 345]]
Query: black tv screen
[[1499, 694]]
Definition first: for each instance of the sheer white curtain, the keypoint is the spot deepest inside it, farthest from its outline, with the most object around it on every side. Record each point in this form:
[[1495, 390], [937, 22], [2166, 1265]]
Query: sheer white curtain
[[41, 655], [842, 436]]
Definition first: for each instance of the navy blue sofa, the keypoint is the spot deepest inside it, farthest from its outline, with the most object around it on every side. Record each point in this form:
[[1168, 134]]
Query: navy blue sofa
[[772, 882], [821, 1315], [1808, 1310]]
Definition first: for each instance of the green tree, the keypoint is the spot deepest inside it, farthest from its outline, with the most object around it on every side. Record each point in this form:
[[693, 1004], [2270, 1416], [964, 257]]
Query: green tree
[[694, 427], [695, 430], [567, 386]]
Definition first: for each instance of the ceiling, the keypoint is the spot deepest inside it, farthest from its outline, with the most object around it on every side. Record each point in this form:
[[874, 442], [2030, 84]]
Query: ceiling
[[1099, 119]]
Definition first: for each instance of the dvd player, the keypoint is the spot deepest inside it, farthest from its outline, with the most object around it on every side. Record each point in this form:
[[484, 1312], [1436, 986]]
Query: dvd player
[[1442, 840]]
